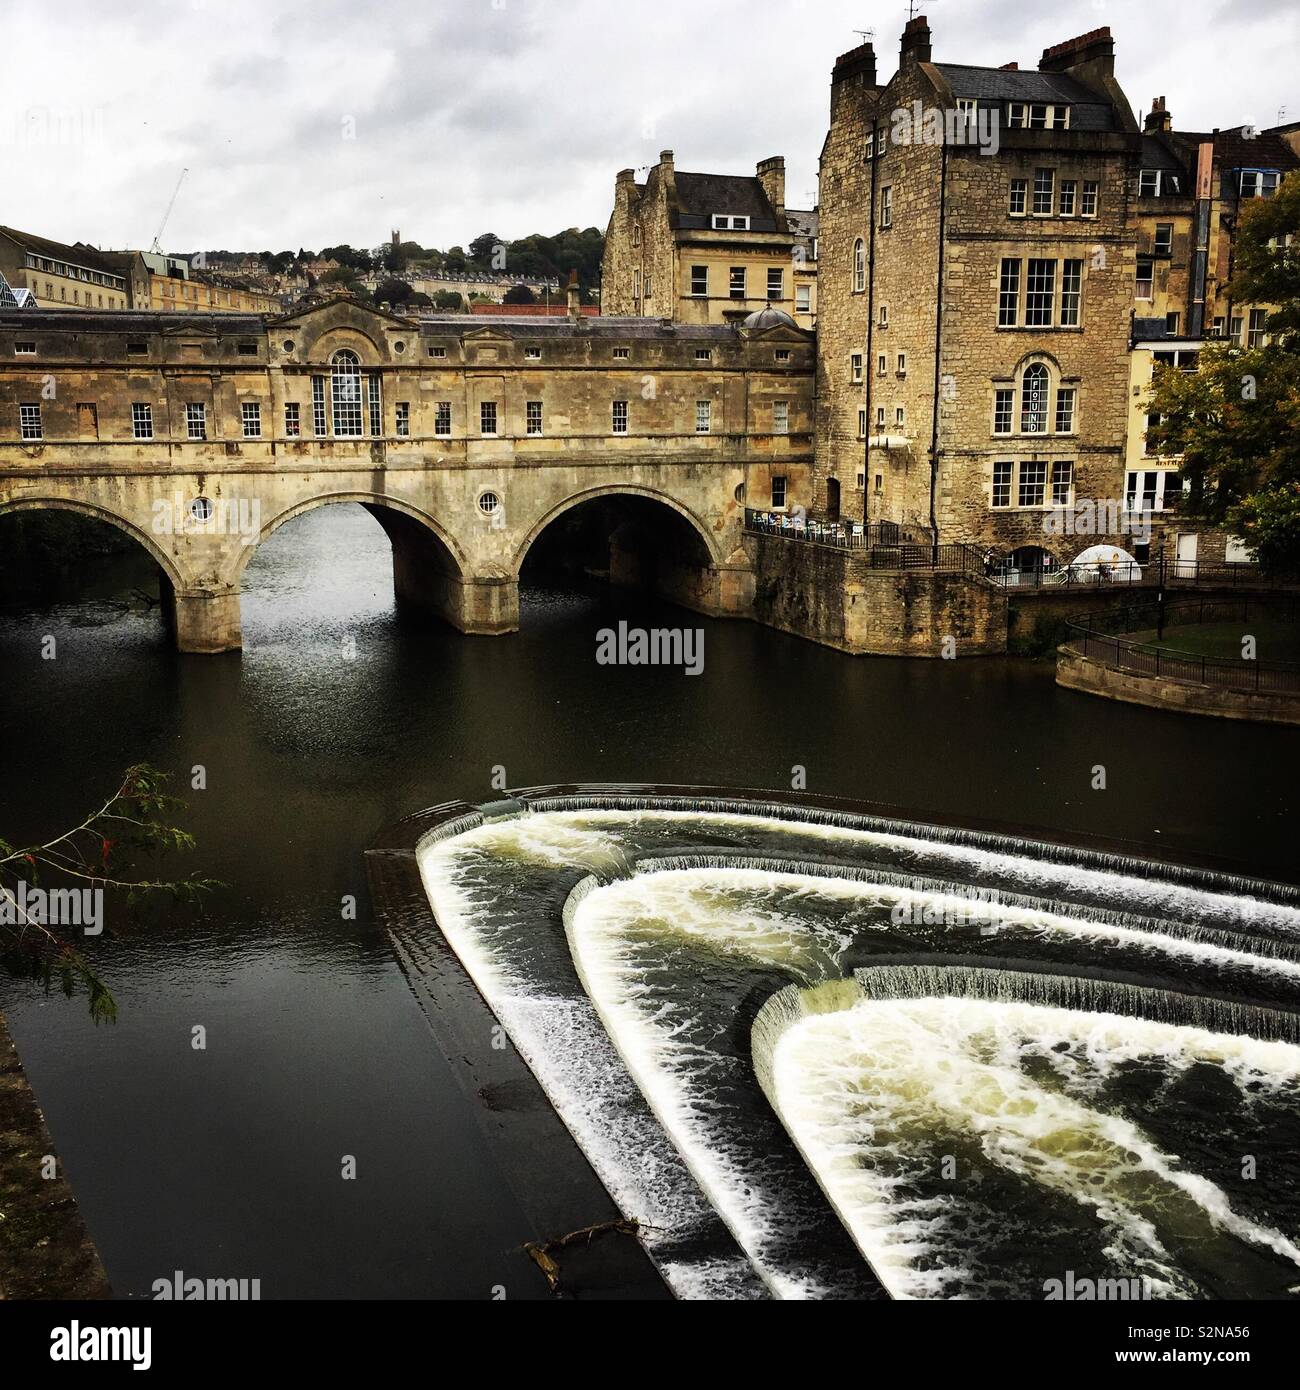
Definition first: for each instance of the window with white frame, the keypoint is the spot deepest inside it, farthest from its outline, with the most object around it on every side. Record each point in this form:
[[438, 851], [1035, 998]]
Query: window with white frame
[[1004, 404], [803, 299], [1144, 283], [898, 417], [859, 266], [621, 354], [1173, 322], [1040, 293], [775, 282], [1071, 292], [780, 417], [1258, 183], [402, 419], [345, 391], [729, 222], [442, 419], [251, 415], [882, 364], [1009, 293], [900, 364], [704, 354], [781, 354], [1019, 192], [883, 317], [1091, 195], [437, 351], [1065, 409], [618, 420], [862, 422], [318, 423], [532, 354], [487, 417], [1035, 391], [1033, 482], [1044, 192], [1037, 116], [966, 112], [533, 417], [141, 420], [29, 421], [855, 366], [1163, 244], [1065, 204], [880, 417], [887, 206], [1152, 490], [1001, 495], [24, 347], [1062, 482], [196, 420], [736, 282], [700, 281], [1255, 336], [703, 416], [376, 410]]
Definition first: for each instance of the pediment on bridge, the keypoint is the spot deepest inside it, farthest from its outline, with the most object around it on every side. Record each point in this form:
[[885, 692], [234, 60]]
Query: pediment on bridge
[[487, 334], [190, 330], [316, 331]]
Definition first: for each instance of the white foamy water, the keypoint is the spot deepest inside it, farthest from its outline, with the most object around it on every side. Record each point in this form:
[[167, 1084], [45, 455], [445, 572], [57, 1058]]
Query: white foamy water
[[660, 1166], [865, 1091]]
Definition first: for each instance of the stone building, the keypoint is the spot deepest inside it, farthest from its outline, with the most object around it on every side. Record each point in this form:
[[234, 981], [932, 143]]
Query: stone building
[[977, 260], [708, 248], [1006, 256], [70, 277]]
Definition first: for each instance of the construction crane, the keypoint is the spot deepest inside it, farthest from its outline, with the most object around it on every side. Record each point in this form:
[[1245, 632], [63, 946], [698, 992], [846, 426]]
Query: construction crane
[[162, 226]]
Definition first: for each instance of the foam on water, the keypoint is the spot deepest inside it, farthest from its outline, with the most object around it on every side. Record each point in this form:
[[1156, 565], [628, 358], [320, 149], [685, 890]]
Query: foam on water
[[863, 1090]]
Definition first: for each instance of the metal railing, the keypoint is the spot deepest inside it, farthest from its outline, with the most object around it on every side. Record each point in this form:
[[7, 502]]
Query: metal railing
[[1098, 639], [846, 535]]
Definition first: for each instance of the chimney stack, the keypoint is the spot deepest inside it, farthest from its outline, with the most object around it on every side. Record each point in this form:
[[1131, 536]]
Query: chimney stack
[[574, 297], [771, 174], [1094, 50], [1158, 118], [915, 47]]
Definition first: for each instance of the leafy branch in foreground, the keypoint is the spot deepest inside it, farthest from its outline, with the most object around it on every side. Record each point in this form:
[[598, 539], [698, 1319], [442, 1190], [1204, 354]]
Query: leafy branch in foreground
[[100, 856]]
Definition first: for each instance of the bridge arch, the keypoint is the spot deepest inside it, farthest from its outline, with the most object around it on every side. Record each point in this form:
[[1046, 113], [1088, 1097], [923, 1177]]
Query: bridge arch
[[616, 490], [164, 561], [374, 503]]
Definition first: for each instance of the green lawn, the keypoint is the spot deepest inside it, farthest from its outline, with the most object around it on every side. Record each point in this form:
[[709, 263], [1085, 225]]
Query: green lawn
[[1274, 640]]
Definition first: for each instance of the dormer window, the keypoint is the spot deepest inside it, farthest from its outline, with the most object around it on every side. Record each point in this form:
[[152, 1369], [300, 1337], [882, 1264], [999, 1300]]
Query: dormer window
[[728, 222], [1158, 183], [1022, 115], [1258, 183]]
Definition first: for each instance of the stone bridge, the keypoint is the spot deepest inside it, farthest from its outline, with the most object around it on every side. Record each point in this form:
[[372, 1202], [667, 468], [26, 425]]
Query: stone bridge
[[200, 435]]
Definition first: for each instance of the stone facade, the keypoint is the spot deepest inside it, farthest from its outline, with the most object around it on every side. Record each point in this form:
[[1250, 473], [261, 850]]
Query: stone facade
[[465, 439], [666, 254]]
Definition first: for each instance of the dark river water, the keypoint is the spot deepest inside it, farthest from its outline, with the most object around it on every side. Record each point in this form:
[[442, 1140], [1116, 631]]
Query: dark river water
[[226, 1162]]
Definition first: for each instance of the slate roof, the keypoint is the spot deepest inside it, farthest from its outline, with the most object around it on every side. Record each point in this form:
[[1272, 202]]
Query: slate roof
[[142, 321], [803, 224], [605, 326], [739, 194], [80, 254], [1088, 111], [1159, 153]]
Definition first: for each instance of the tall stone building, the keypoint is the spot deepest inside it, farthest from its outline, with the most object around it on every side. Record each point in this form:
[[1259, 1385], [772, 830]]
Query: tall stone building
[[977, 266], [708, 248]]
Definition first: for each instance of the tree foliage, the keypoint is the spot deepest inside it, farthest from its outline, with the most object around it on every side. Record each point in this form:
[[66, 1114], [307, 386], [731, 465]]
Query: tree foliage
[[108, 853], [1235, 420]]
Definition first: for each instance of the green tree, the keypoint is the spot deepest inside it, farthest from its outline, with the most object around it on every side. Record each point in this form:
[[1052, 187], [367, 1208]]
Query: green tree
[[1236, 419], [482, 250], [519, 294], [105, 854]]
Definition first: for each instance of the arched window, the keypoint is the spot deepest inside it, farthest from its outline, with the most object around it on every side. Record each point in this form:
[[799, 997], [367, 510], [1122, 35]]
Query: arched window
[[345, 389], [1035, 389], [859, 266]]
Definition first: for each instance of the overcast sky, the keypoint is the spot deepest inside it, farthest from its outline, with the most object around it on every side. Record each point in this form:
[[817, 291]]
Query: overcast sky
[[306, 124]]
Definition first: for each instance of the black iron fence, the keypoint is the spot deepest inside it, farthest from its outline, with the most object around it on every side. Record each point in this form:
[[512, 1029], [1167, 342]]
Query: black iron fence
[[1099, 637], [846, 535]]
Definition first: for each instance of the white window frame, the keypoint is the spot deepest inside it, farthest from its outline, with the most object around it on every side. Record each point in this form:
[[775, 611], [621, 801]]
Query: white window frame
[[489, 414], [780, 417], [30, 425], [533, 418], [703, 417], [141, 420], [618, 417], [250, 416]]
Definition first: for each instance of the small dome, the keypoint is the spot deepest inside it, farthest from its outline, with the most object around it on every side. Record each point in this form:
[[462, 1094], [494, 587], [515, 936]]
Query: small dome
[[768, 318]]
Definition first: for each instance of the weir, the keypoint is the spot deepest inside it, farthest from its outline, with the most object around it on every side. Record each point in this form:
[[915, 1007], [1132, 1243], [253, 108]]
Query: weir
[[651, 953]]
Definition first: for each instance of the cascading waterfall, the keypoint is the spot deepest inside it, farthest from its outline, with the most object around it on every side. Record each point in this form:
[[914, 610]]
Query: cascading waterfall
[[631, 944]]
